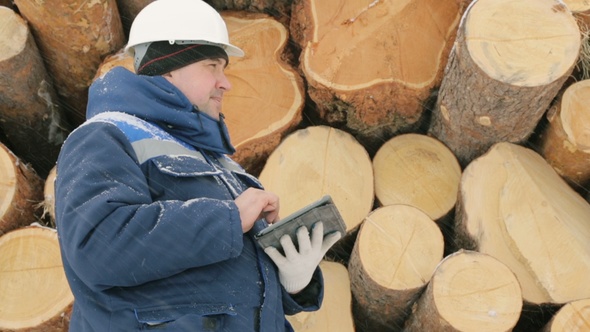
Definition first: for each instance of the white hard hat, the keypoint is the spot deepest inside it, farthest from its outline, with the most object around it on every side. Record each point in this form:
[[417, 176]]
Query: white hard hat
[[180, 22]]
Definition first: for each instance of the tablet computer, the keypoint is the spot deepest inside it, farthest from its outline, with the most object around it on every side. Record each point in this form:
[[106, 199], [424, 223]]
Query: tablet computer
[[323, 210]]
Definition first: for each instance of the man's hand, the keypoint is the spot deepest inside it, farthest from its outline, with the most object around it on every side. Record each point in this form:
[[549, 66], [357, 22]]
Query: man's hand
[[296, 267], [254, 204]]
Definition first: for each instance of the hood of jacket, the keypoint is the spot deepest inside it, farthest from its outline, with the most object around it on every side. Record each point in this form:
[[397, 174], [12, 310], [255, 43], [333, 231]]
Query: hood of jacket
[[154, 99]]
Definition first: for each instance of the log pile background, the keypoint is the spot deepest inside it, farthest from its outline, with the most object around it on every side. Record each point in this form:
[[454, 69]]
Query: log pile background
[[453, 135]]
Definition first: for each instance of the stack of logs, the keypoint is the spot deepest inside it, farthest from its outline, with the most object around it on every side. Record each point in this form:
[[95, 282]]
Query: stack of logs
[[452, 135]]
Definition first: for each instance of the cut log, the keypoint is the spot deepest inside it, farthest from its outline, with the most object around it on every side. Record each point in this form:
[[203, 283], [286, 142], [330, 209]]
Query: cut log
[[469, 291], [565, 142], [503, 73], [33, 124], [417, 170], [34, 292], [73, 36], [573, 317], [516, 208], [368, 68], [49, 196], [21, 192], [267, 95], [117, 59], [335, 313], [397, 250], [321, 160]]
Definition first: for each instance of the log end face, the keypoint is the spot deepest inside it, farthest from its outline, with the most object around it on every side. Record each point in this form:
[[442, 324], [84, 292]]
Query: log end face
[[512, 51], [14, 33]]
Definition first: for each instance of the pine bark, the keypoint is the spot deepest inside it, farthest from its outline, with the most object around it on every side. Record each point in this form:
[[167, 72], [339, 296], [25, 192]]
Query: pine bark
[[368, 69], [73, 36], [34, 126], [34, 292], [503, 73], [397, 250], [21, 191], [469, 291]]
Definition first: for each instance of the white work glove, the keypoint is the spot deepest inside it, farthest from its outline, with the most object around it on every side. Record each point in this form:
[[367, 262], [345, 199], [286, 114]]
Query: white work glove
[[296, 268]]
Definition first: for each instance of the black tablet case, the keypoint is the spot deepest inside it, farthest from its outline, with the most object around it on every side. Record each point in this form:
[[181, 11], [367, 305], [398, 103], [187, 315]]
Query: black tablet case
[[322, 210]]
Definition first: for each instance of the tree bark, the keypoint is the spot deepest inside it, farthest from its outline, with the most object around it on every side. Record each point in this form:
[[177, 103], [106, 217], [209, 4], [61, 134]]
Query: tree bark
[[320, 160], [73, 36], [368, 69], [20, 192], [573, 317], [33, 124], [503, 73], [335, 313], [565, 142], [516, 208], [469, 291], [395, 254], [34, 292], [419, 171]]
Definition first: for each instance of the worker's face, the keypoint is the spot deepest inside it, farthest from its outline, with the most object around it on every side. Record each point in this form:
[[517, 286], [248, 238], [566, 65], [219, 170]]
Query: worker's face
[[203, 83]]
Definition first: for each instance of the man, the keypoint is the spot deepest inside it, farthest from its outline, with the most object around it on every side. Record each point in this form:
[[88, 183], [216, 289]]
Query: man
[[155, 222]]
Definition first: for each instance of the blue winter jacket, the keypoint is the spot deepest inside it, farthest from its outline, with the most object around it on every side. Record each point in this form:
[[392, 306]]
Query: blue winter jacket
[[150, 235]]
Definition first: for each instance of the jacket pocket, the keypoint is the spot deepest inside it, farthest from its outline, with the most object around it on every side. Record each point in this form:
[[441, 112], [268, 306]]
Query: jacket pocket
[[199, 317]]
